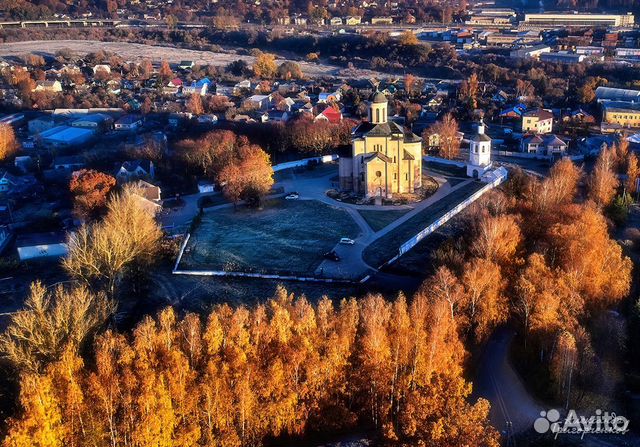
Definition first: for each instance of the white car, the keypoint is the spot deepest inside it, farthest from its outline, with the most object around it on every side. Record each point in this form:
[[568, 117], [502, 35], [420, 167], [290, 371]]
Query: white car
[[347, 241], [292, 196]]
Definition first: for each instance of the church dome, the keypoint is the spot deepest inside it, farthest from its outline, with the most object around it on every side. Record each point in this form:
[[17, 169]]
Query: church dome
[[379, 98]]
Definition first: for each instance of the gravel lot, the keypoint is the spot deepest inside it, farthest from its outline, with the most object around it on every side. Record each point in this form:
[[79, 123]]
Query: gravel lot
[[136, 51]]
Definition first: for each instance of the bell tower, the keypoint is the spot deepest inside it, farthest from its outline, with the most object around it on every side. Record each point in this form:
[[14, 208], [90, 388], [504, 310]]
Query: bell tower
[[479, 153], [378, 109]]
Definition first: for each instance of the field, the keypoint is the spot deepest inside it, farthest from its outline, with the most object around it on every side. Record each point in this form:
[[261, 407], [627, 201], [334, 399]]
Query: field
[[377, 220], [136, 52], [286, 237], [386, 247]]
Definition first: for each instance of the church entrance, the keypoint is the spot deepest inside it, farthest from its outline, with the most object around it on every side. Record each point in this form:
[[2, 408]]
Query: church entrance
[[475, 174]]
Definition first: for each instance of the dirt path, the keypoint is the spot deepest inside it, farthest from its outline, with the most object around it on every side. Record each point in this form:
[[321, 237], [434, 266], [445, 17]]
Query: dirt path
[[136, 52]]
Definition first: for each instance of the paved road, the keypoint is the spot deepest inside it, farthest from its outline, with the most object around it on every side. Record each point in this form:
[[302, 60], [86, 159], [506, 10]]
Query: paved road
[[513, 409]]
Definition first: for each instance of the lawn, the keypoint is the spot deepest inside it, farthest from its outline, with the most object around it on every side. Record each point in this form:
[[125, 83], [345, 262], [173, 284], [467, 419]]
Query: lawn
[[377, 219], [286, 237], [446, 169], [383, 249]]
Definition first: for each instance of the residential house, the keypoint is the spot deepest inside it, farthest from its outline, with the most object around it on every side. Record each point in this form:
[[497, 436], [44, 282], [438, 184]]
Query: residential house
[[135, 170], [199, 87], [241, 87], [325, 97], [69, 163], [48, 86], [330, 115], [335, 21], [545, 145], [128, 123], [537, 121], [186, 65], [353, 20], [17, 185], [259, 102], [172, 87], [514, 112]]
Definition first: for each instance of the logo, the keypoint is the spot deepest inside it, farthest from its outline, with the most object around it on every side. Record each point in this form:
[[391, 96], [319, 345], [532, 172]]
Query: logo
[[600, 422]]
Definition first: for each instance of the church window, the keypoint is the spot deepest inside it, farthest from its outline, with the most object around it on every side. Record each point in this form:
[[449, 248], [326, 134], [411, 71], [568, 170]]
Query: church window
[[395, 176], [378, 174], [377, 115], [394, 158]]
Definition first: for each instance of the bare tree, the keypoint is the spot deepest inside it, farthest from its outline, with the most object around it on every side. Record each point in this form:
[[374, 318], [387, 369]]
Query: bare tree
[[52, 321]]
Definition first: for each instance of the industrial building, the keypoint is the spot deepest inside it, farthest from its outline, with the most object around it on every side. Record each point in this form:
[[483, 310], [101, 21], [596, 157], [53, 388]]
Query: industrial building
[[61, 137], [568, 19]]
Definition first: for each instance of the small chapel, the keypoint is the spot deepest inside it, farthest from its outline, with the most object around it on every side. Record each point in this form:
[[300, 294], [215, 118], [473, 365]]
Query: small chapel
[[385, 158]]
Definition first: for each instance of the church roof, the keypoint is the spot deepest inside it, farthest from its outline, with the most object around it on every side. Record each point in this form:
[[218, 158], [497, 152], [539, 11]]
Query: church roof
[[387, 129], [480, 137], [379, 98], [379, 155], [408, 156]]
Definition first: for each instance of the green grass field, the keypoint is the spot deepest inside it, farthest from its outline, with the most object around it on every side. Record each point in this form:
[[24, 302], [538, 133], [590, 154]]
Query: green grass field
[[377, 220], [446, 169], [387, 246], [286, 237]]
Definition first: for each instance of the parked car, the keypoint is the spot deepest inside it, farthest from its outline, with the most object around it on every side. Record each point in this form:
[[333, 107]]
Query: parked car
[[347, 241], [332, 256], [292, 196]]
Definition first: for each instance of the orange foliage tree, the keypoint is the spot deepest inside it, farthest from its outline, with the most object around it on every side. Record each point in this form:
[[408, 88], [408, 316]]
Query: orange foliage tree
[[90, 189]]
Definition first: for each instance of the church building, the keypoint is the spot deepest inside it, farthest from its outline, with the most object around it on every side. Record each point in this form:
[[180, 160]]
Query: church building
[[385, 158]]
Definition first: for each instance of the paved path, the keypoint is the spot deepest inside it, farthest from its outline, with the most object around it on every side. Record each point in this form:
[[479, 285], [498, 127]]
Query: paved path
[[352, 264]]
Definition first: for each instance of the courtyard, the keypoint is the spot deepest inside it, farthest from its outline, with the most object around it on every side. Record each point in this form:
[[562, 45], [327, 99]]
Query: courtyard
[[286, 237]]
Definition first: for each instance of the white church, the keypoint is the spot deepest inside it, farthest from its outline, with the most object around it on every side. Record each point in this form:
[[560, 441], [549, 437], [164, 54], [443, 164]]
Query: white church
[[479, 153]]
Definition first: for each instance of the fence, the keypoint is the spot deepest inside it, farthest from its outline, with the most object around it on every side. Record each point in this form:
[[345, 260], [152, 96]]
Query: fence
[[494, 179], [304, 162], [444, 161]]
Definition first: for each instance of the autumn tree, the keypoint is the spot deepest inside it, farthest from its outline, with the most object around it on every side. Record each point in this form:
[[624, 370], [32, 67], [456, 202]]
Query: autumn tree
[[52, 321], [8, 142], [408, 38], [603, 181], [90, 189], [447, 132], [194, 105], [102, 253], [633, 173], [469, 91], [165, 73], [249, 177], [289, 70], [264, 66]]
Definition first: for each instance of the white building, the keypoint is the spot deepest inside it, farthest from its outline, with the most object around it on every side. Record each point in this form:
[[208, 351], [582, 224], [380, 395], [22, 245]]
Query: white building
[[479, 153]]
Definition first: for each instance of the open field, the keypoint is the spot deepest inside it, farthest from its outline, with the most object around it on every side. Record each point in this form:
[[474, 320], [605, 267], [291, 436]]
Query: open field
[[377, 220], [136, 52], [386, 247], [286, 237]]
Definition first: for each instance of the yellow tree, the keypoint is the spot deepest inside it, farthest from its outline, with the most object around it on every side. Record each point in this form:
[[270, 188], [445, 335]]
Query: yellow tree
[[41, 424], [633, 173], [8, 142], [603, 181], [194, 105], [447, 136], [265, 66], [469, 91], [105, 251]]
